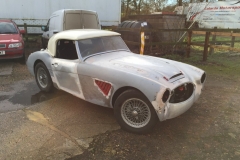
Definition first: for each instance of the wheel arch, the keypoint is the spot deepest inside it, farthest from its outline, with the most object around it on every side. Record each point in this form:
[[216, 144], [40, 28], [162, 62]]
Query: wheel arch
[[121, 90], [36, 62]]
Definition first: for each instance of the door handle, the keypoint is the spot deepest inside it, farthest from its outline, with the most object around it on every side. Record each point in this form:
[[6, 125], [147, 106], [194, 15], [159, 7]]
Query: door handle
[[55, 64]]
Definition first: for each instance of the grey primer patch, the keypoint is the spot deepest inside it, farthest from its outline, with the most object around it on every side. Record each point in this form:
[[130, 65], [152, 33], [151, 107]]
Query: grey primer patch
[[92, 93]]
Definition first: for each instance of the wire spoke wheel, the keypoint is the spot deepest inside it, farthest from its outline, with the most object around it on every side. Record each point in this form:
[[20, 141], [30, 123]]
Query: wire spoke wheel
[[136, 113], [42, 77]]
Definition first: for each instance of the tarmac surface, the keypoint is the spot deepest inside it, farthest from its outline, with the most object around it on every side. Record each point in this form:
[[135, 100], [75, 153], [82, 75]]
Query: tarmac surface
[[57, 125], [38, 125]]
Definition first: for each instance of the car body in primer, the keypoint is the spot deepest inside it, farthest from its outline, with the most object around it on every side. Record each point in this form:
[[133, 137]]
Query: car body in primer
[[107, 77]]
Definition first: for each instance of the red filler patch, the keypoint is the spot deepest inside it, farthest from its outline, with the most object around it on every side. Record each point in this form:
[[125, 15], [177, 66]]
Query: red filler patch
[[103, 86]]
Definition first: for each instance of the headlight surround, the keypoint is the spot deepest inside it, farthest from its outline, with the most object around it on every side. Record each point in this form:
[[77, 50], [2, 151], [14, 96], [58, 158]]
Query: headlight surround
[[203, 77], [15, 45], [165, 96]]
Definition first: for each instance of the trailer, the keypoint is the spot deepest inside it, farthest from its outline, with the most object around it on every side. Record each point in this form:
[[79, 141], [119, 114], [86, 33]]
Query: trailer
[[130, 32], [37, 12]]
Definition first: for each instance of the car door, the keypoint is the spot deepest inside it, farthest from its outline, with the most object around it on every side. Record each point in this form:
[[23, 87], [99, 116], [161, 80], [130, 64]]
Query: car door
[[50, 29], [45, 34], [65, 73]]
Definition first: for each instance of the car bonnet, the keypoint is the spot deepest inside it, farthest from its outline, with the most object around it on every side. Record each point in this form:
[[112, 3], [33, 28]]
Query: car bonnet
[[146, 66]]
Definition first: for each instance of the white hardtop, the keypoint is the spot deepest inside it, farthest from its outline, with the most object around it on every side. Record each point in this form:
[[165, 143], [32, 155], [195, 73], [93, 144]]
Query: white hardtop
[[76, 34]]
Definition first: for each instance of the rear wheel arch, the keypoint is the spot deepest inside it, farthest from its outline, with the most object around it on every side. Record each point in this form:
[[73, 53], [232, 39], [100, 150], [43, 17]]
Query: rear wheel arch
[[36, 62]]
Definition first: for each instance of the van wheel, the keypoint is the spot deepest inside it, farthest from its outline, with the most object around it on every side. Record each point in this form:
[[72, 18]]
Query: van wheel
[[134, 112], [43, 78]]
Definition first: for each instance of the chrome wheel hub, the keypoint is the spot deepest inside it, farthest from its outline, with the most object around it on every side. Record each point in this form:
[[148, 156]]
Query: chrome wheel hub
[[42, 77], [135, 112]]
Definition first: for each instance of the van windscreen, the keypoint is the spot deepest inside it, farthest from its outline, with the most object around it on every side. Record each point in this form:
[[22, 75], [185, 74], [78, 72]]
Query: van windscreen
[[90, 21], [73, 21]]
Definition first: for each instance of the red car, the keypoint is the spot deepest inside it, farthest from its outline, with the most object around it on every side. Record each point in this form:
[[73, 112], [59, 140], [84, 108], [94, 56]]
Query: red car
[[11, 40]]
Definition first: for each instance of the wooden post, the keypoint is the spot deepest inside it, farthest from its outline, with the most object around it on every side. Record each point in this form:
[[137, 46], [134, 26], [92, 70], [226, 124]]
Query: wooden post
[[213, 41], [26, 33], [189, 43], [142, 41], [205, 52], [233, 40]]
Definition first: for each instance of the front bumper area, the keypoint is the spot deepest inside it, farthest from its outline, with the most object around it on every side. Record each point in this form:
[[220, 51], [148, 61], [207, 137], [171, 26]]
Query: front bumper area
[[12, 53], [172, 110]]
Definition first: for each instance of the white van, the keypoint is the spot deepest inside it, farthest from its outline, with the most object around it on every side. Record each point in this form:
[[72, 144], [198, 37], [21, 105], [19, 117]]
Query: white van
[[66, 19]]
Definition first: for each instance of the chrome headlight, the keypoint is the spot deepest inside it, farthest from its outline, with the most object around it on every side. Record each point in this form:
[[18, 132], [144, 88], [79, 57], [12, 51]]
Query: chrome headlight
[[15, 45]]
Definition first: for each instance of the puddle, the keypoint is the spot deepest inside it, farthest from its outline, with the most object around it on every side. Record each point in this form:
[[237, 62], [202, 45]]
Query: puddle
[[3, 97], [32, 95]]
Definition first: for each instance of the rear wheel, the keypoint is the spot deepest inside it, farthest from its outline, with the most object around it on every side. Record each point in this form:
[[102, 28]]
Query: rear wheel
[[134, 112], [43, 77]]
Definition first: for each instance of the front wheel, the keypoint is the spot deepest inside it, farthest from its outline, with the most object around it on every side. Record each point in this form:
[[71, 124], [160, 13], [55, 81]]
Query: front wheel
[[134, 112], [43, 77]]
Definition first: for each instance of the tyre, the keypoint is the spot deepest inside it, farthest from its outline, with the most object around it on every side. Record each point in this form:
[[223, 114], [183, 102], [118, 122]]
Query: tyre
[[43, 77], [134, 112]]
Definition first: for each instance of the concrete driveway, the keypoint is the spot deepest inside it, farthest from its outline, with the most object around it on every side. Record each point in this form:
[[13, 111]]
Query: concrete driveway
[[36, 125]]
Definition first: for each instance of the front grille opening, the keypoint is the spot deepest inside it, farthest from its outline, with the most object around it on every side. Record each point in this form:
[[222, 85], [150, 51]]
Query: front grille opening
[[182, 93], [165, 96], [2, 45]]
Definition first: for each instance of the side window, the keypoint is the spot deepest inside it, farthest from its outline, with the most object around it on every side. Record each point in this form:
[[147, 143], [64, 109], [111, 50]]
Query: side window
[[66, 50]]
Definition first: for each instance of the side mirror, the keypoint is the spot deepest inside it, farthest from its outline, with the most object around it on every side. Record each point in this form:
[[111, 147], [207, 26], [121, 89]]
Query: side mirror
[[22, 31], [44, 28]]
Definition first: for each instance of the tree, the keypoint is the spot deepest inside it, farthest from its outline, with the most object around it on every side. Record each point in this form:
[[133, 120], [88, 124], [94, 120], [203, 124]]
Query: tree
[[130, 7]]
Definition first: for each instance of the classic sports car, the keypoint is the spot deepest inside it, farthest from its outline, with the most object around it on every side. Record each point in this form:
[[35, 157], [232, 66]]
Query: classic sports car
[[97, 66]]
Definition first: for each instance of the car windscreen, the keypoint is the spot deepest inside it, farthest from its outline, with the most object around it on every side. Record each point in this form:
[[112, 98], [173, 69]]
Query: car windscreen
[[7, 28], [92, 46]]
